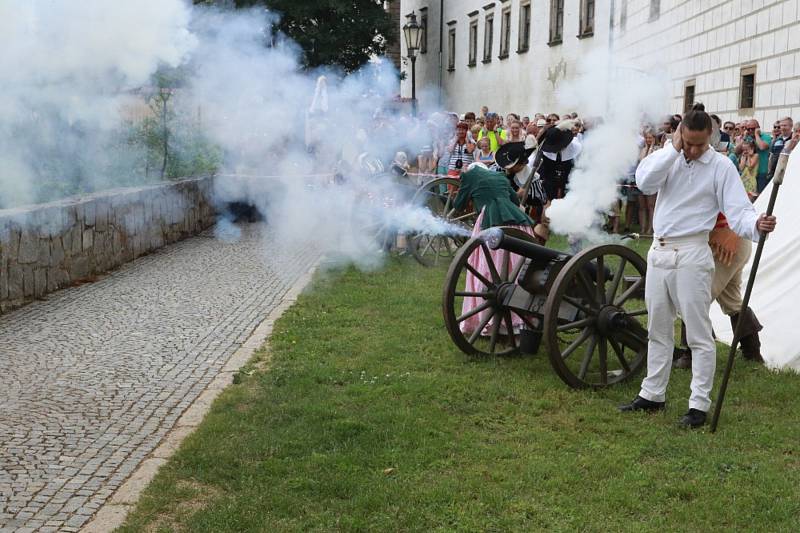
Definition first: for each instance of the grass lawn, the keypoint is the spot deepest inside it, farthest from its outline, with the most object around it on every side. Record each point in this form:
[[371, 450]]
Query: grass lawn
[[364, 416]]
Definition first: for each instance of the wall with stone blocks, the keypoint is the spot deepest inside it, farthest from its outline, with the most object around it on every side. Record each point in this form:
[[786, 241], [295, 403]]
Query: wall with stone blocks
[[50, 246]]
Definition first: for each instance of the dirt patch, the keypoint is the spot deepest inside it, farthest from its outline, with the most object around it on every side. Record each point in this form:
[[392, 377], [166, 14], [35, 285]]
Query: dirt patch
[[198, 496]]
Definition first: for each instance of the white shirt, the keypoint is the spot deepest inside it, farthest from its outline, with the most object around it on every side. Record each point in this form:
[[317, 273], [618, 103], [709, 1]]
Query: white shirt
[[691, 194], [572, 151]]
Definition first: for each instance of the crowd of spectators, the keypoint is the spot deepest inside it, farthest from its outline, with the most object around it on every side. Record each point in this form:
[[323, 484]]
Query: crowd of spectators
[[458, 141]]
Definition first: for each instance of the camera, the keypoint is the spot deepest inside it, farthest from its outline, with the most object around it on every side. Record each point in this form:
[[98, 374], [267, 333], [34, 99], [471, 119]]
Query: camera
[[459, 164]]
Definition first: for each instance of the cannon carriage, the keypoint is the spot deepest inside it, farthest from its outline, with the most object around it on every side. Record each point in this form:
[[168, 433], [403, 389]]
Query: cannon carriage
[[587, 310]]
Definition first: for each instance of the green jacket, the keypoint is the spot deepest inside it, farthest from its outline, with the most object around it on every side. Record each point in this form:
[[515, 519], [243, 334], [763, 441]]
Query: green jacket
[[493, 191]]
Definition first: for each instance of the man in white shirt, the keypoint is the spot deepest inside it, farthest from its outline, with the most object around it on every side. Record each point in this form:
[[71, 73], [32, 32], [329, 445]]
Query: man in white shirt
[[694, 183]]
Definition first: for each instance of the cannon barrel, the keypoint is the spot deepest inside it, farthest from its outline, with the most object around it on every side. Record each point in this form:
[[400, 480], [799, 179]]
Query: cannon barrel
[[495, 239]]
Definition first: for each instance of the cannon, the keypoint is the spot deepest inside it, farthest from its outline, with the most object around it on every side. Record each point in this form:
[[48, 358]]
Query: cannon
[[586, 309]]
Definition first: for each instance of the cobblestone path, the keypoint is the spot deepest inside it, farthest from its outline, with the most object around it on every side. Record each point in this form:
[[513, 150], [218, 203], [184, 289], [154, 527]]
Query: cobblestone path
[[92, 378]]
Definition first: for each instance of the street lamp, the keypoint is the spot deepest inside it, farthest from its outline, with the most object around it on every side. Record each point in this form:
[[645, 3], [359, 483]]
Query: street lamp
[[413, 33]]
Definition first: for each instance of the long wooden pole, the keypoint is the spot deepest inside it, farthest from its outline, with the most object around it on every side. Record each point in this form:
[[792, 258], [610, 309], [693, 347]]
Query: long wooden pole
[[777, 181]]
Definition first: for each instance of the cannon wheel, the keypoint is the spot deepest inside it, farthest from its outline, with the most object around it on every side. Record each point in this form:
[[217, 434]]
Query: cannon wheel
[[492, 314], [604, 342], [438, 196]]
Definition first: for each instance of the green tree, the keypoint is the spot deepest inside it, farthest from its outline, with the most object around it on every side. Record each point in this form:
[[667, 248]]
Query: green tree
[[343, 33]]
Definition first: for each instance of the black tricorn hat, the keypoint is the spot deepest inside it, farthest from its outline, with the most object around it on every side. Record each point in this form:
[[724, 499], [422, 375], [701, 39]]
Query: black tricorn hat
[[557, 137], [511, 154]]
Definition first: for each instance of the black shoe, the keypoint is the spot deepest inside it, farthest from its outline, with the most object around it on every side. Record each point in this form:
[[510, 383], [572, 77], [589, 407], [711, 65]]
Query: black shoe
[[640, 404], [693, 419]]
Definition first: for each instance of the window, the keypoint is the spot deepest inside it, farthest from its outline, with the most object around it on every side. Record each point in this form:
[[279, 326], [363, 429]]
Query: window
[[488, 38], [423, 40], [747, 94], [623, 15], [587, 18], [505, 32], [473, 43], [688, 96], [655, 9], [451, 49], [524, 28], [556, 22]]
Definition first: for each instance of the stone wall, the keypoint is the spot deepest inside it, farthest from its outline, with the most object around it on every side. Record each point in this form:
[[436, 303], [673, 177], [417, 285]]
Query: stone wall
[[49, 246]]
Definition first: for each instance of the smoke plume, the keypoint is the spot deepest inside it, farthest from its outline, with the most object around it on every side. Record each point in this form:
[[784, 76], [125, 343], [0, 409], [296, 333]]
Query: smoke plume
[[76, 73], [622, 97]]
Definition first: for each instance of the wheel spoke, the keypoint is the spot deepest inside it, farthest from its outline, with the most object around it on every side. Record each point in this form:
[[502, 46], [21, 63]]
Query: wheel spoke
[[504, 265], [490, 263], [510, 328], [472, 312], [577, 342], [495, 330], [586, 285], [602, 352], [474, 294], [527, 321], [614, 287], [427, 246], [638, 312], [633, 289], [587, 358], [620, 354], [479, 329], [601, 280], [632, 339], [478, 275], [577, 303], [577, 324], [446, 210]]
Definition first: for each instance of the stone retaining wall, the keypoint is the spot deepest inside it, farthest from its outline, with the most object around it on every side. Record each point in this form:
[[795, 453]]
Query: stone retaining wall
[[49, 246]]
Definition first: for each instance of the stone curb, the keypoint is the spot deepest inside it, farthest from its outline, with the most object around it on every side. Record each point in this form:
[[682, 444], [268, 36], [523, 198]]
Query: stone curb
[[113, 513]]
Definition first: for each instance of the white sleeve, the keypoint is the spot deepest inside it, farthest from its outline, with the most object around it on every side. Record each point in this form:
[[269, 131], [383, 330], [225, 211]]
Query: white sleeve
[[734, 203], [653, 170]]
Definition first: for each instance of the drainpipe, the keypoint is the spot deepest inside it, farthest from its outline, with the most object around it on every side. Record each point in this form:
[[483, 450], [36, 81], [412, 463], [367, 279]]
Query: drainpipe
[[441, 52]]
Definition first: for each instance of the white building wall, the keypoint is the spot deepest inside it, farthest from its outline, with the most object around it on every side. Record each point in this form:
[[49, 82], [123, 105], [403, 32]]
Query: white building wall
[[708, 41]]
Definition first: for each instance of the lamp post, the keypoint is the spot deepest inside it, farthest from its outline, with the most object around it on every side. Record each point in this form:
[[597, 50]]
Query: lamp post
[[413, 33]]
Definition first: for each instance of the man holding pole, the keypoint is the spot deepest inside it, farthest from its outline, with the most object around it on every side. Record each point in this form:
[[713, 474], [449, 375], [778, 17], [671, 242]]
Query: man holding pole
[[694, 183]]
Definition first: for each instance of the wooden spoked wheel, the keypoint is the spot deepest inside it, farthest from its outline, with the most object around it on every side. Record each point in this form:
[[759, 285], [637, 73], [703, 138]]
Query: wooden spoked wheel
[[595, 319], [438, 196], [487, 328]]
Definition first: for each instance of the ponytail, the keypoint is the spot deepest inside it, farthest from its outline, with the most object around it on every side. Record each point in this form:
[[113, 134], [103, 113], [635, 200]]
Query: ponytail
[[697, 119]]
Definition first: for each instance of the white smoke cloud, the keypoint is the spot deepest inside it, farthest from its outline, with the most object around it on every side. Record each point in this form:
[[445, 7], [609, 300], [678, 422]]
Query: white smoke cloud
[[67, 67], [72, 71], [625, 97]]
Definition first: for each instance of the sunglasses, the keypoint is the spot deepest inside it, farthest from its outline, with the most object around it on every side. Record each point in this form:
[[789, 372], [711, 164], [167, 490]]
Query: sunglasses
[[728, 128], [750, 129]]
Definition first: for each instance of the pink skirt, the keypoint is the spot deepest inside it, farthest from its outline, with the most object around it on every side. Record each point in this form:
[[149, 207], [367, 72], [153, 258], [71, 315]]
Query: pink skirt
[[478, 261]]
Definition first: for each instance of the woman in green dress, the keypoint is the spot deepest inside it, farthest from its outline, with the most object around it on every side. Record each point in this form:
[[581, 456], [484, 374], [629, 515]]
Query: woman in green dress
[[493, 196]]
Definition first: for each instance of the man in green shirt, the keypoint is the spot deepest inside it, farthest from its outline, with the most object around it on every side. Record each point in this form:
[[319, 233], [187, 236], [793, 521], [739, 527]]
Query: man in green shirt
[[497, 137], [762, 141]]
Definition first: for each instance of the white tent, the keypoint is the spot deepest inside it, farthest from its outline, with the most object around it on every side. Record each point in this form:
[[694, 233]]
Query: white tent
[[776, 294]]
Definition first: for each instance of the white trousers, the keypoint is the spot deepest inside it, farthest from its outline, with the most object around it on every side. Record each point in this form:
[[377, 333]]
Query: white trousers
[[679, 276]]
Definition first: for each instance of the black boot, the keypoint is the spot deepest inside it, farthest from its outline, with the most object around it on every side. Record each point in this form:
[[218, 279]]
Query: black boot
[[640, 404], [749, 341], [693, 419]]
